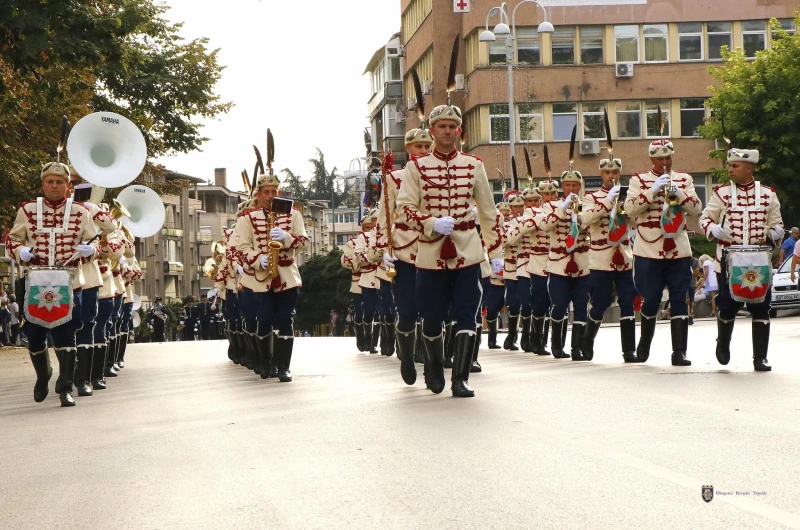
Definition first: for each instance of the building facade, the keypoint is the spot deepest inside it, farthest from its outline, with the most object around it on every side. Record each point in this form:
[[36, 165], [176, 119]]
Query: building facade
[[386, 108], [341, 225], [626, 59]]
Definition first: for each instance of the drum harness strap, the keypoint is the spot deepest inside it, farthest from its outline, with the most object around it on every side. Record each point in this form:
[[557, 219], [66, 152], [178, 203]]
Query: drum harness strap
[[733, 207], [51, 245]]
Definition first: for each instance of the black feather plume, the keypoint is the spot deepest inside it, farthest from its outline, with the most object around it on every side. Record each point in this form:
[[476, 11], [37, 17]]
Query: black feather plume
[[724, 132], [514, 177], [528, 164], [572, 146], [609, 142], [451, 75], [62, 142], [420, 98], [546, 155], [270, 150]]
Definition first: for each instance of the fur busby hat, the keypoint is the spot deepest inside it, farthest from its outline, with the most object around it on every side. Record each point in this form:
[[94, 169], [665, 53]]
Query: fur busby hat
[[503, 207], [55, 168], [531, 193], [516, 200], [445, 112], [611, 164], [661, 149], [571, 176], [743, 155], [418, 136]]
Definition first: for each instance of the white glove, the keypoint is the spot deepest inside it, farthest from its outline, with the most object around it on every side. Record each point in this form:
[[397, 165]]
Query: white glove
[[720, 232], [497, 265], [613, 193], [264, 261], [475, 213], [240, 270], [776, 233], [444, 225], [87, 251], [388, 261], [276, 234], [25, 254], [660, 183], [150, 326], [122, 261], [567, 204]]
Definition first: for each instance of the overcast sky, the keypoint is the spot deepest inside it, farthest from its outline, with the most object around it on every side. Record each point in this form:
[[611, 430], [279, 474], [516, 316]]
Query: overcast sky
[[295, 67]]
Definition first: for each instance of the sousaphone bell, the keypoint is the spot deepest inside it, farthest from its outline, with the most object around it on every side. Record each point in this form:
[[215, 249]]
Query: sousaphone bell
[[144, 208]]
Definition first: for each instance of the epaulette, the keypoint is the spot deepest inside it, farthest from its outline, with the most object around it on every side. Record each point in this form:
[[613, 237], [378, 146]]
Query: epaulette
[[770, 188], [24, 204], [717, 187], [82, 206], [247, 212], [473, 156]]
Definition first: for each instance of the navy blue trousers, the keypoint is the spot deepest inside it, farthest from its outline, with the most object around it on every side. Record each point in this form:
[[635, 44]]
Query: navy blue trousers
[[369, 303], [564, 290], [405, 295], [457, 290], [652, 275], [494, 301], [728, 307], [105, 308], [524, 295], [63, 336], [512, 297], [85, 335], [355, 299], [125, 321], [387, 310], [601, 291], [263, 312], [540, 297], [232, 310]]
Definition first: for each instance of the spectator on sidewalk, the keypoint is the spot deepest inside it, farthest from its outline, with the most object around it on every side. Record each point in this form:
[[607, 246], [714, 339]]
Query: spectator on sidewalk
[[13, 308], [787, 248], [710, 282]]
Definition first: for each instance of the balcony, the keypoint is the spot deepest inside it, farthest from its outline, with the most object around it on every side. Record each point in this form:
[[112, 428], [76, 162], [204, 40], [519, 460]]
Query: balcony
[[204, 238], [176, 233], [173, 268]]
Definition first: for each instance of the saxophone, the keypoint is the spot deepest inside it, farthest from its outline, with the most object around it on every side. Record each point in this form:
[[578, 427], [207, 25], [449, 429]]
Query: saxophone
[[274, 248]]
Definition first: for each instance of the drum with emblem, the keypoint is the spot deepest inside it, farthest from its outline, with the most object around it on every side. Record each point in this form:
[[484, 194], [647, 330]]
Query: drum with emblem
[[749, 272], [48, 295]]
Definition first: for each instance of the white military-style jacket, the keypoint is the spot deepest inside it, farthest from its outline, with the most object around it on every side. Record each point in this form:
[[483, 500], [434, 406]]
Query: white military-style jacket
[[749, 211], [523, 240], [557, 223], [349, 261], [440, 185], [52, 230], [596, 217], [367, 263], [112, 247], [539, 242], [645, 210], [404, 237], [510, 246], [250, 240], [92, 277]]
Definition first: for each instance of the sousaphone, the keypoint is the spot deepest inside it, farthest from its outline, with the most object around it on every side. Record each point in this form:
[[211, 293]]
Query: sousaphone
[[144, 209]]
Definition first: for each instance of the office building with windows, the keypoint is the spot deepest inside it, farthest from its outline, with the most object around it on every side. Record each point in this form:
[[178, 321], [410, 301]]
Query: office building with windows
[[340, 225], [629, 59]]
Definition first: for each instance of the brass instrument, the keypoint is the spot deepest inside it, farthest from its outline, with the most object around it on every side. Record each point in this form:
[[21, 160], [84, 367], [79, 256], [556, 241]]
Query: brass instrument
[[212, 264], [274, 248], [117, 212], [577, 205]]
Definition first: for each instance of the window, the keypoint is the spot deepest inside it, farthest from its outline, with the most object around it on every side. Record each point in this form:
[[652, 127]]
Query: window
[[591, 45], [498, 123], [394, 69], [754, 36], [565, 117], [497, 52], [629, 119], [788, 25], [655, 43], [719, 35], [627, 42], [528, 46], [592, 119], [693, 113], [530, 122], [564, 45], [651, 114], [690, 41], [699, 181]]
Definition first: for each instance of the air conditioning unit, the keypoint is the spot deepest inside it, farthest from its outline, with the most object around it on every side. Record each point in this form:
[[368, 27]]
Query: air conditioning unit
[[460, 82], [624, 70], [411, 104], [427, 87], [590, 147]]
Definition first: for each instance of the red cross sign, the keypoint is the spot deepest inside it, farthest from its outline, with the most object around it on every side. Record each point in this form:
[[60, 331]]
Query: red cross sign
[[461, 6]]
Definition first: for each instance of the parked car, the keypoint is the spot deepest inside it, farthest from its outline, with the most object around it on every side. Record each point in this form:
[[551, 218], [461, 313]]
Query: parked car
[[785, 293]]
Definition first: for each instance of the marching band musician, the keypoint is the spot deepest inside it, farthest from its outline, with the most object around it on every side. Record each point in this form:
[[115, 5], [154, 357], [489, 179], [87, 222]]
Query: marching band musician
[[349, 261], [87, 346], [531, 199], [368, 281], [510, 244], [567, 268], [53, 231], [404, 249], [115, 322], [744, 212], [610, 261], [156, 320], [205, 316], [495, 294], [269, 306], [436, 199], [131, 272], [537, 266], [662, 255], [226, 283]]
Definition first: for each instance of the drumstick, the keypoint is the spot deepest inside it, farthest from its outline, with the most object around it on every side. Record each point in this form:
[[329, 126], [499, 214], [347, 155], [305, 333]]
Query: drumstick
[[78, 253]]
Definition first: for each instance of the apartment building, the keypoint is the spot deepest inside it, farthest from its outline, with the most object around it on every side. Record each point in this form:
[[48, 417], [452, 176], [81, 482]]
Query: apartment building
[[341, 225], [385, 108], [628, 57]]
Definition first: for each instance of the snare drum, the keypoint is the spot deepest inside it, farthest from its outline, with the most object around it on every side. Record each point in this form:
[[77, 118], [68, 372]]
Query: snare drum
[[48, 295], [748, 272]]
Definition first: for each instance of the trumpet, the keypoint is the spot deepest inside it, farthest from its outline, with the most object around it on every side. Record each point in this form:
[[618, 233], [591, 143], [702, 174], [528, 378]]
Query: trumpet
[[671, 193], [577, 205]]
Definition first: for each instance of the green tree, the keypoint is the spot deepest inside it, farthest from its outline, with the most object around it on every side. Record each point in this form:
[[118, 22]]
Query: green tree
[[292, 185], [758, 101], [326, 286]]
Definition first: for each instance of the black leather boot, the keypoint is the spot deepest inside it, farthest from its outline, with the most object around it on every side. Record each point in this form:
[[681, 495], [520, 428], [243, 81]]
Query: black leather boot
[[538, 338], [525, 339], [406, 342], [648, 329], [492, 335], [476, 345], [123, 347], [578, 328], [449, 345], [589, 334], [434, 350], [390, 337], [117, 349], [724, 334], [564, 330], [265, 346], [236, 341], [382, 335], [760, 346], [546, 332], [98, 367], [251, 349], [359, 328], [283, 357], [41, 363], [557, 338], [66, 374], [627, 330], [83, 370], [419, 347], [111, 356], [231, 345], [371, 334], [464, 344], [680, 339], [510, 343]]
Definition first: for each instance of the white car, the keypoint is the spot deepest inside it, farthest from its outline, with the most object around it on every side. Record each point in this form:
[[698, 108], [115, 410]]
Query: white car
[[785, 293]]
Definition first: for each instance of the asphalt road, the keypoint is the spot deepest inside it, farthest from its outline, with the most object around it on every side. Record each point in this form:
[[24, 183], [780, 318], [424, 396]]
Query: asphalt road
[[185, 439]]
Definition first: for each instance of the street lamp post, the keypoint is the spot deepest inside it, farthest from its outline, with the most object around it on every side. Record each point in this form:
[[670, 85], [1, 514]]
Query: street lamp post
[[502, 28]]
